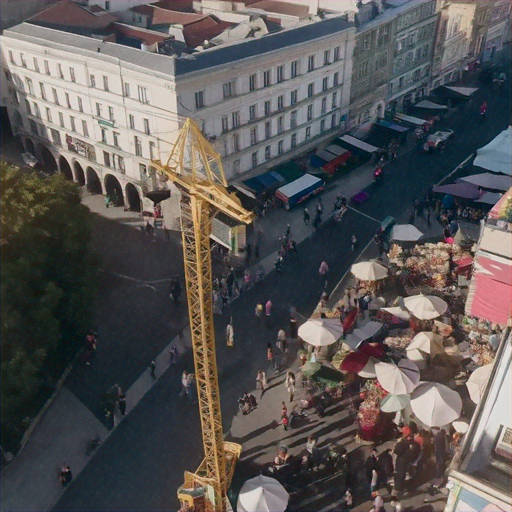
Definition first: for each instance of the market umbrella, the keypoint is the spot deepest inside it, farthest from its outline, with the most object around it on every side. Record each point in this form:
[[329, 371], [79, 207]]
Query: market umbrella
[[435, 404], [398, 312], [425, 307], [398, 379], [366, 331], [477, 382], [321, 332], [460, 189], [310, 368], [377, 303], [428, 343], [262, 494], [461, 426], [360, 363], [394, 403], [369, 270], [405, 233]]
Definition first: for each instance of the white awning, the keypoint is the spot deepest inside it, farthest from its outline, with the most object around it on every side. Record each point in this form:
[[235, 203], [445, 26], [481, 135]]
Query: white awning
[[430, 105], [410, 119], [359, 144], [297, 186], [325, 155], [336, 150], [465, 91], [497, 155]]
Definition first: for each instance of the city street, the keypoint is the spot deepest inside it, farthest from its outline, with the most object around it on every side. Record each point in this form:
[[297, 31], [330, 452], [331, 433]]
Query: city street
[[140, 466]]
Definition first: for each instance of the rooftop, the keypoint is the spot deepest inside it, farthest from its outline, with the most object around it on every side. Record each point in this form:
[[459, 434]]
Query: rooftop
[[285, 8]]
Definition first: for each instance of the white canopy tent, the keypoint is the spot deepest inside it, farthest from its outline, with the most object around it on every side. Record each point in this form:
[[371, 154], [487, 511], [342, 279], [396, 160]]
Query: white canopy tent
[[497, 155]]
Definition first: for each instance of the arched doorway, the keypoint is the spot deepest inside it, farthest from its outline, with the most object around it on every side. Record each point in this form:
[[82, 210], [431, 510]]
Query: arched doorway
[[133, 198], [79, 174], [93, 181], [114, 190], [49, 162], [29, 147], [65, 168]]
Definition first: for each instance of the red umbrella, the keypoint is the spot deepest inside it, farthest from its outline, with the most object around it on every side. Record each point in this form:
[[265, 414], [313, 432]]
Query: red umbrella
[[372, 349], [350, 320], [355, 362]]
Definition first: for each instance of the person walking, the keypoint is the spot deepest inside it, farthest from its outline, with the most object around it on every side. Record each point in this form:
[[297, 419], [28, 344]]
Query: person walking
[[323, 271], [369, 465], [374, 482], [258, 311], [312, 449], [268, 313], [173, 354], [307, 217], [261, 382], [378, 502], [121, 402], [152, 369], [230, 333], [293, 325], [318, 220], [65, 475], [397, 506], [441, 452], [386, 469], [270, 357], [185, 385], [284, 421], [281, 343], [402, 461], [353, 242], [290, 384]]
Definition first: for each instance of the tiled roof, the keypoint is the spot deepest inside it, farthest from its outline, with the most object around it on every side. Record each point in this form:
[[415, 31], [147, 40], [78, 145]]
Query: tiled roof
[[282, 8], [176, 5], [147, 37], [159, 16], [203, 30]]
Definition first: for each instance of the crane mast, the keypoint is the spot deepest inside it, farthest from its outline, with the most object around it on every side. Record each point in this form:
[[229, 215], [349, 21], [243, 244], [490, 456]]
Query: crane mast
[[196, 169]]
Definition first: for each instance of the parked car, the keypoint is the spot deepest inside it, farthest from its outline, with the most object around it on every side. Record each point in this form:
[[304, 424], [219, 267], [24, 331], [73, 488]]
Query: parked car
[[29, 159], [438, 140]]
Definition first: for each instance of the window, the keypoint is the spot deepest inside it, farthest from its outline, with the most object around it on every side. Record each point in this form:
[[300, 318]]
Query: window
[[138, 146], [28, 107], [103, 135], [47, 69], [42, 90], [24, 64], [333, 121], [105, 83], [293, 97], [72, 74], [143, 94], [236, 166], [280, 102], [322, 126], [107, 5], [311, 90], [30, 86], [254, 159], [280, 74], [327, 57], [334, 99], [36, 65], [68, 101], [55, 96], [293, 119], [151, 150], [7, 74], [266, 78], [267, 108], [18, 120], [294, 140], [80, 104], [55, 137], [308, 133], [336, 53], [98, 110], [33, 126], [252, 112], [14, 95], [116, 139], [311, 63], [236, 142], [310, 112], [280, 147], [43, 131], [267, 152], [143, 170], [268, 130], [11, 57], [225, 127], [254, 136], [85, 128], [325, 84], [228, 90], [126, 89], [61, 119], [59, 69], [111, 115], [366, 41], [37, 112], [73, 123], [401, 82], [336, 79], [252, 82], [235, 118], [280, 124], [199, 98], [106, 158], [48, 115], [131, 120], [294, 69], [323, 110]]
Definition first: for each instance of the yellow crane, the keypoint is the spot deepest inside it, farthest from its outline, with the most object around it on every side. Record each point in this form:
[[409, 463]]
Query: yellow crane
[[196, 169]]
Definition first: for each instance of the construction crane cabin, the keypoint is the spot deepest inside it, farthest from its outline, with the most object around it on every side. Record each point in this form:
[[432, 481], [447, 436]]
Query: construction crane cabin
[[196, 170]]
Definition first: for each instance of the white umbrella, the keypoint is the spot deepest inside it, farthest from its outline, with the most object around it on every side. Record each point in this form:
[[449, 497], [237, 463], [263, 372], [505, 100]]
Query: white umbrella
[[376, 303], [368, 372], [369, 270], [435, 405], [321, 332], [425, 307], [398, 379], [398, 312], [394, 403], [417, 357], [477, 382], [355, 338], [405, 233], [262, 494], [428, 343], [461, 426]]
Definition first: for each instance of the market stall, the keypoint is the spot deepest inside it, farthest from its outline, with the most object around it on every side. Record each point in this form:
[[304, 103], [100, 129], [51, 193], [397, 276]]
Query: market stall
[[299, 190]]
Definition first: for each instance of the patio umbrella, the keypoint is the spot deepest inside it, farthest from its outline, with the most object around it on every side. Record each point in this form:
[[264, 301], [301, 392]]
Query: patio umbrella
[[477, 382], [262, 494], [369, 271], [398, 312], [321, 332], [405, 233], [398, 379], [377, 303], [425, 307], [394, 403], [361, 364], [428, 343], [435, 405], [460, 189], [362, 333], [417, 357], [461, 426]]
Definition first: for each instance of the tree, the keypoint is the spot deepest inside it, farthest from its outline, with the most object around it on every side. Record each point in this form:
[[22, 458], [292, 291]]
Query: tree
[[47, 289]]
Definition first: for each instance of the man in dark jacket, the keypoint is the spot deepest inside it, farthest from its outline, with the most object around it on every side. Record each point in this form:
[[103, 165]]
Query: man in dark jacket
[[441, 451], [402, 451], [385, 463], [370, 465]]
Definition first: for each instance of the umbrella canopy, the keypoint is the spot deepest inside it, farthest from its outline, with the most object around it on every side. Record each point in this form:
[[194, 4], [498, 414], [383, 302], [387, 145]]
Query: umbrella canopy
[[321, 332], [461, 426], [158, 195], [362, 333], [361, 364], [262, 494], [425, 307], [461, 189], [489, 180], [405, 233], [428, 343], [398, 312], [477, 382], [394, 403], [369, 271], [435, 405], [398, 379], [419, 358]]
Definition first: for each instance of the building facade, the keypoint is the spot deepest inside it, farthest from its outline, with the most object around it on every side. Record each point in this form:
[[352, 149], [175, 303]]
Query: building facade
[[498, 28]]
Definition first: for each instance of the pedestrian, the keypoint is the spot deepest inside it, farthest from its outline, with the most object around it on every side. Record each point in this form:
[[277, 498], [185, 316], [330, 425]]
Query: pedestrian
[[279, 263], [258, 311], [173, 354], [290, 384], [185, 384], [281, 343], [261, 382], [293, 248], [312, 449], [65, 475], [230, 333], [270, 357], [319, 206], [353, 242], [293, 325], [397, 506], [369, 465], [402, 461], [268, 313], [323, 271], [318, 220], [121, 402], [152, 369], [441, 452], [386, 469], [175, 290], [307, 217], [348, 500], [378, 502], [374, 482], [288, 233], [284, 421]]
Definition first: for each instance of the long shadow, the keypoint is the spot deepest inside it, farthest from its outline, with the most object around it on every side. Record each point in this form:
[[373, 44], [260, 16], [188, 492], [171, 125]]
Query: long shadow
[[253, 434]]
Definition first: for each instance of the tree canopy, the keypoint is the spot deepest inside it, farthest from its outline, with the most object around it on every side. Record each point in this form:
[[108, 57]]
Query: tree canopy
[[47, 290]]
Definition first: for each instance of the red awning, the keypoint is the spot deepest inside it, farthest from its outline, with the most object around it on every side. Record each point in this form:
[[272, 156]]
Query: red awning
[[330, 167]]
